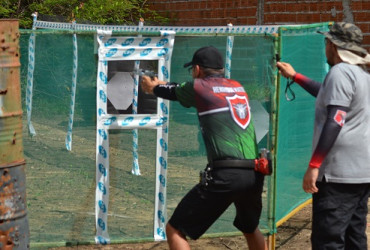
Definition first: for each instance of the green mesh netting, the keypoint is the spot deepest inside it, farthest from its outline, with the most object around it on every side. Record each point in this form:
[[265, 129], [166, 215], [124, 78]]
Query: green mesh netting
[[61, 184], [304, 48]]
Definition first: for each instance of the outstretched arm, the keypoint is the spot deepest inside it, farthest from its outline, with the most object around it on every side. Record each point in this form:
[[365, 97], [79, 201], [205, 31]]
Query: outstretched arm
[[148, 83], [333, 124], [159, 88], [306, 83]]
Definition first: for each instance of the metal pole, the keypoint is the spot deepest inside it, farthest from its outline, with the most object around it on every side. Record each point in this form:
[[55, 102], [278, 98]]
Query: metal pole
[[14, 232]]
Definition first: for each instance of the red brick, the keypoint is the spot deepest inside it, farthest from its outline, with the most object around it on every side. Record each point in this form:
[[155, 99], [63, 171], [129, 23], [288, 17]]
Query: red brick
[[269, 19], [366, 40], [361, 17], [304, 7], [171, 7], [339, 17], [173, 15], [241, 12], [213, 4], [281, 7], [365, 5], [266, 8], [203, 5], [325, 17], [277, 7], [231, 13], [236, 4], [308, 18], [196, 5], [177, 6], [364, 27], [240, 21], [356, 5], [251, 11], [292, 7], [251, 21], [284, 18], [244, 12], [323, 6], [184, 15], [304, 18], [315, 18], [336, 5], [206, 14], [214, 22], [270, 7], [314, 7]]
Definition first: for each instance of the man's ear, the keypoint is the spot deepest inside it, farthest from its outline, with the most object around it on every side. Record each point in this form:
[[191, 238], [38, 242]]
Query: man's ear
[[196, 71]]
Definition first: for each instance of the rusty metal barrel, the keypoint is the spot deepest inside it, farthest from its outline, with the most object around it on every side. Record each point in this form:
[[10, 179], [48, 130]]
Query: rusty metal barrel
[[14, 230]]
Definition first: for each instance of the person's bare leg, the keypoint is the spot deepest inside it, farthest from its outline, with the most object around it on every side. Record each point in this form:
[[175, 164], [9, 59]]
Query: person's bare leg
[[175, 239], [256, 240]]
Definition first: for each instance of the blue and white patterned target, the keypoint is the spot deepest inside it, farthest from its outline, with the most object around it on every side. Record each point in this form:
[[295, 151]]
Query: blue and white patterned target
[[131, 48]]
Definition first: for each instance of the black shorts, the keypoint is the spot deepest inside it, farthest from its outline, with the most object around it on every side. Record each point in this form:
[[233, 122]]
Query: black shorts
[[339, 216], [203, 205]]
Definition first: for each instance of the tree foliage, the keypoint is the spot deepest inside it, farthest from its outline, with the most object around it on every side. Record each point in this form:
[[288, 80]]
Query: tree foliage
[[93, 11]]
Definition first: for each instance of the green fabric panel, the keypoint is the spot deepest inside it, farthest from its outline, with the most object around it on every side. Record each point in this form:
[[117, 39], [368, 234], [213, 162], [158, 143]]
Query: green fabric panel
[[61, 184], [304, 49]]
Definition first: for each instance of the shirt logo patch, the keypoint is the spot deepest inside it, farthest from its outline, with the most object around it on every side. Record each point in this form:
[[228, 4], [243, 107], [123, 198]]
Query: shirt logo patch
[[339, 117], [240, 110]]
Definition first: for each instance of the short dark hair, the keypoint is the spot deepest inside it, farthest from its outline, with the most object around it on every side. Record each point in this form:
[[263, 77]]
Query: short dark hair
[[209, 71]]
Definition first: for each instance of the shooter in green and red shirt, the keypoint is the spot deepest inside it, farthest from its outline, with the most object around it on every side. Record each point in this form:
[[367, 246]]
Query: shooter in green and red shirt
[[229, 136]]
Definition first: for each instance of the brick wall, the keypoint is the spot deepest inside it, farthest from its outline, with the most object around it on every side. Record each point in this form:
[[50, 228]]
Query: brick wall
[[256, 12], [207, 12]]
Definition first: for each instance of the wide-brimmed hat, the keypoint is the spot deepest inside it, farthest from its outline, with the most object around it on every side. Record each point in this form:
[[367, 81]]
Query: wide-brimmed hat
[[351, 58], [207, 57], [346, 36]]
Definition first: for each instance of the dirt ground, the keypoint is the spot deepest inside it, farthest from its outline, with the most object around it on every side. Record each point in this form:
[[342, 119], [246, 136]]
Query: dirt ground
[[53, 177], [292, 234]]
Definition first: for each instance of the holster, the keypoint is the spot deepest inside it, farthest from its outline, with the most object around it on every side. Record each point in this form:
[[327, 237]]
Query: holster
[[205, 176], [263, 165]]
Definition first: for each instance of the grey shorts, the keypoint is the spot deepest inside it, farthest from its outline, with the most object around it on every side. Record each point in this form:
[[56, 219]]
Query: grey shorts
[[203, 205]]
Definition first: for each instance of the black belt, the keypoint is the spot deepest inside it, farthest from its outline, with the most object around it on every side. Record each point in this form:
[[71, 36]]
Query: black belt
[[245, 163]]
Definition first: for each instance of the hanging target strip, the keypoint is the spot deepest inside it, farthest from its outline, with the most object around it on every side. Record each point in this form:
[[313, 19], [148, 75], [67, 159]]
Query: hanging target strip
[[229, 51], [68, 140], [30, 71]]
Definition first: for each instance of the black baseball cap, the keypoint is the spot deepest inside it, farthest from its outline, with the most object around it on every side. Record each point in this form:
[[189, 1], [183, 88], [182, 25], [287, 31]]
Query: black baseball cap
[[207, 57]]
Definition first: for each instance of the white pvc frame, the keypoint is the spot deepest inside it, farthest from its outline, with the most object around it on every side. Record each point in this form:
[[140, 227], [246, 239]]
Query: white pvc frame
[[113, 49]]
